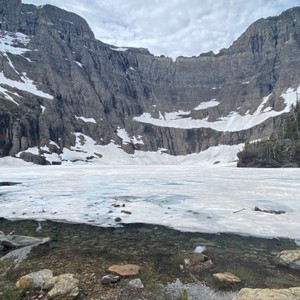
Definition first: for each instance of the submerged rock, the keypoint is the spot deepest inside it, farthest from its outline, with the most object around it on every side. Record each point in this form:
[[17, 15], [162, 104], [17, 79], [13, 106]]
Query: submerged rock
[[197, 262], [65, 287], [110, 279], [289, 258], [14, 241], [125, 270], [226, 278], [38, 280], [268, 294], [136, 283], [61, 287]]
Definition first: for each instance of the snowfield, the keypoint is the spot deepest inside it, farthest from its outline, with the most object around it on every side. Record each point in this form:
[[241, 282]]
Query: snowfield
[[184, 197]]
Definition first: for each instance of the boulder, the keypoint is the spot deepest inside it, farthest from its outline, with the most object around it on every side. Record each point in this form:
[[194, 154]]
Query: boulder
[[65, 288], [226, 278], [124, 270], [110, 279], [289, 258], [268, 294], [38, 280], [14, 241], [197, 262], [136, 283]]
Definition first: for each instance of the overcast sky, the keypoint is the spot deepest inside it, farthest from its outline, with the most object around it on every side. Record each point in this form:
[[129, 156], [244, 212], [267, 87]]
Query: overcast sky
[[171, 27]]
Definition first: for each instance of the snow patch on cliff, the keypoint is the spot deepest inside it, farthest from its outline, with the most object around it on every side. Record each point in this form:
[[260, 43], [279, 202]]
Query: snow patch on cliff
[[123, 134], [13, 43], [86, 120], [26, 84], [230, 123]]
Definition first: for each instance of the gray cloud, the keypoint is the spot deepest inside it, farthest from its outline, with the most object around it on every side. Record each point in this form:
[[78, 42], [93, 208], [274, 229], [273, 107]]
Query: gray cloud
[[171, 27]]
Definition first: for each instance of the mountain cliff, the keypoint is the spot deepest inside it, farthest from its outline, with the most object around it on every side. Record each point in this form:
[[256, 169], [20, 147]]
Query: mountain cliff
[[65, 96]]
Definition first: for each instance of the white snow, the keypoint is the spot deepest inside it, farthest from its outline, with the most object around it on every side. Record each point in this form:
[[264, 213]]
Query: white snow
[[6, 93], [9, 42], [233, 122], [121, 49], [42, 108], [78, 63], [122, 133], [32, 150], [25, 84], [113, 154], [185, 197], [86, 120], [205, 105], [53, 143]]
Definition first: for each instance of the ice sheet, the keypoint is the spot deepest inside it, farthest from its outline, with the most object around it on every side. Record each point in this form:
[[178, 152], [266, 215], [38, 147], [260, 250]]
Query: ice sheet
[[188, 198]]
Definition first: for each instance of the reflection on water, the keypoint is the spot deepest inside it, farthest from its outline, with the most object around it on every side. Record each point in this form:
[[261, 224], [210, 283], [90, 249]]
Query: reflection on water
[[88, 251]]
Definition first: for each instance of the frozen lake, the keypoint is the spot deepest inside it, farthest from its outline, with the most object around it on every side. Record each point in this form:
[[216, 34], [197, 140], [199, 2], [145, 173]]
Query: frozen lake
[[188, 198]]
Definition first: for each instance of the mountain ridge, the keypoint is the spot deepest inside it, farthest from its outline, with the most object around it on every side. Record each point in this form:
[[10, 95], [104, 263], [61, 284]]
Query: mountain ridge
[[132, 99]]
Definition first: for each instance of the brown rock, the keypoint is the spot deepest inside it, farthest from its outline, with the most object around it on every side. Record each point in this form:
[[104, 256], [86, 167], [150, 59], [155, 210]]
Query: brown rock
[[268, 294], [124, 270], [226, 277], [289, 258]]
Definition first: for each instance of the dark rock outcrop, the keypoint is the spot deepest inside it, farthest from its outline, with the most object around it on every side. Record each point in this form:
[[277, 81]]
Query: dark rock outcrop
[[69, 82]]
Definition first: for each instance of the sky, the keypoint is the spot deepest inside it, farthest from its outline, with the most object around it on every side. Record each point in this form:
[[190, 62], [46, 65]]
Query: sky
[[171, 27]]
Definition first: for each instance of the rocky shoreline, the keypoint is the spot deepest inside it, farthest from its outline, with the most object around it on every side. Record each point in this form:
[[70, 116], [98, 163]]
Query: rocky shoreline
[[93, 263]]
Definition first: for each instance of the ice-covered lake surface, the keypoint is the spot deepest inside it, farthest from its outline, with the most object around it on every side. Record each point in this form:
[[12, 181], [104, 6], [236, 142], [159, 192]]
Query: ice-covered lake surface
[[187, 198]]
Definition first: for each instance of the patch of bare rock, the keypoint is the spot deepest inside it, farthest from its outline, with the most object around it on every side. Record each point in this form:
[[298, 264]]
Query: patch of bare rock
[[268, 294]]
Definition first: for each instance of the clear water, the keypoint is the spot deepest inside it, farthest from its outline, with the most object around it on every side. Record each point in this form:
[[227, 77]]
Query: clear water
[[88, 251]]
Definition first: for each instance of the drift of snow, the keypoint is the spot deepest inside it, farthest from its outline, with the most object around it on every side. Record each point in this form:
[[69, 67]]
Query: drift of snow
[[86, 120], [25, 84], [205, 105], [185, 197], [233, 122], [6, 93], [122, 133], [86, 149], [113, 154], [121, 49], [9, 42]]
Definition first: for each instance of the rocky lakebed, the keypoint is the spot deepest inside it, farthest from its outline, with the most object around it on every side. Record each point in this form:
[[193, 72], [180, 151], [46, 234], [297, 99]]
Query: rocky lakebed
[[55, 260]]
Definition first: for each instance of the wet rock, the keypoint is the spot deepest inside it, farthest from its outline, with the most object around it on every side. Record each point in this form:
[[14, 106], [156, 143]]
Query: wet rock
[[65, 287], [126, 212], [136, 283], [14, 241], [269, 211], [38, 280], [289, 258], [110, 279], [197, 262], [8, 183], [226, 278], [61, 287], [268, 294], [124, 270]]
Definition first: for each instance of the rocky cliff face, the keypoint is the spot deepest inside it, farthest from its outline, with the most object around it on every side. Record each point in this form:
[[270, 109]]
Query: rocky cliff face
[[63, 93]]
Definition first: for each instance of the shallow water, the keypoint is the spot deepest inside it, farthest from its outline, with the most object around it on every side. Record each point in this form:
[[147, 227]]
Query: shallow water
[[88, 251]]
